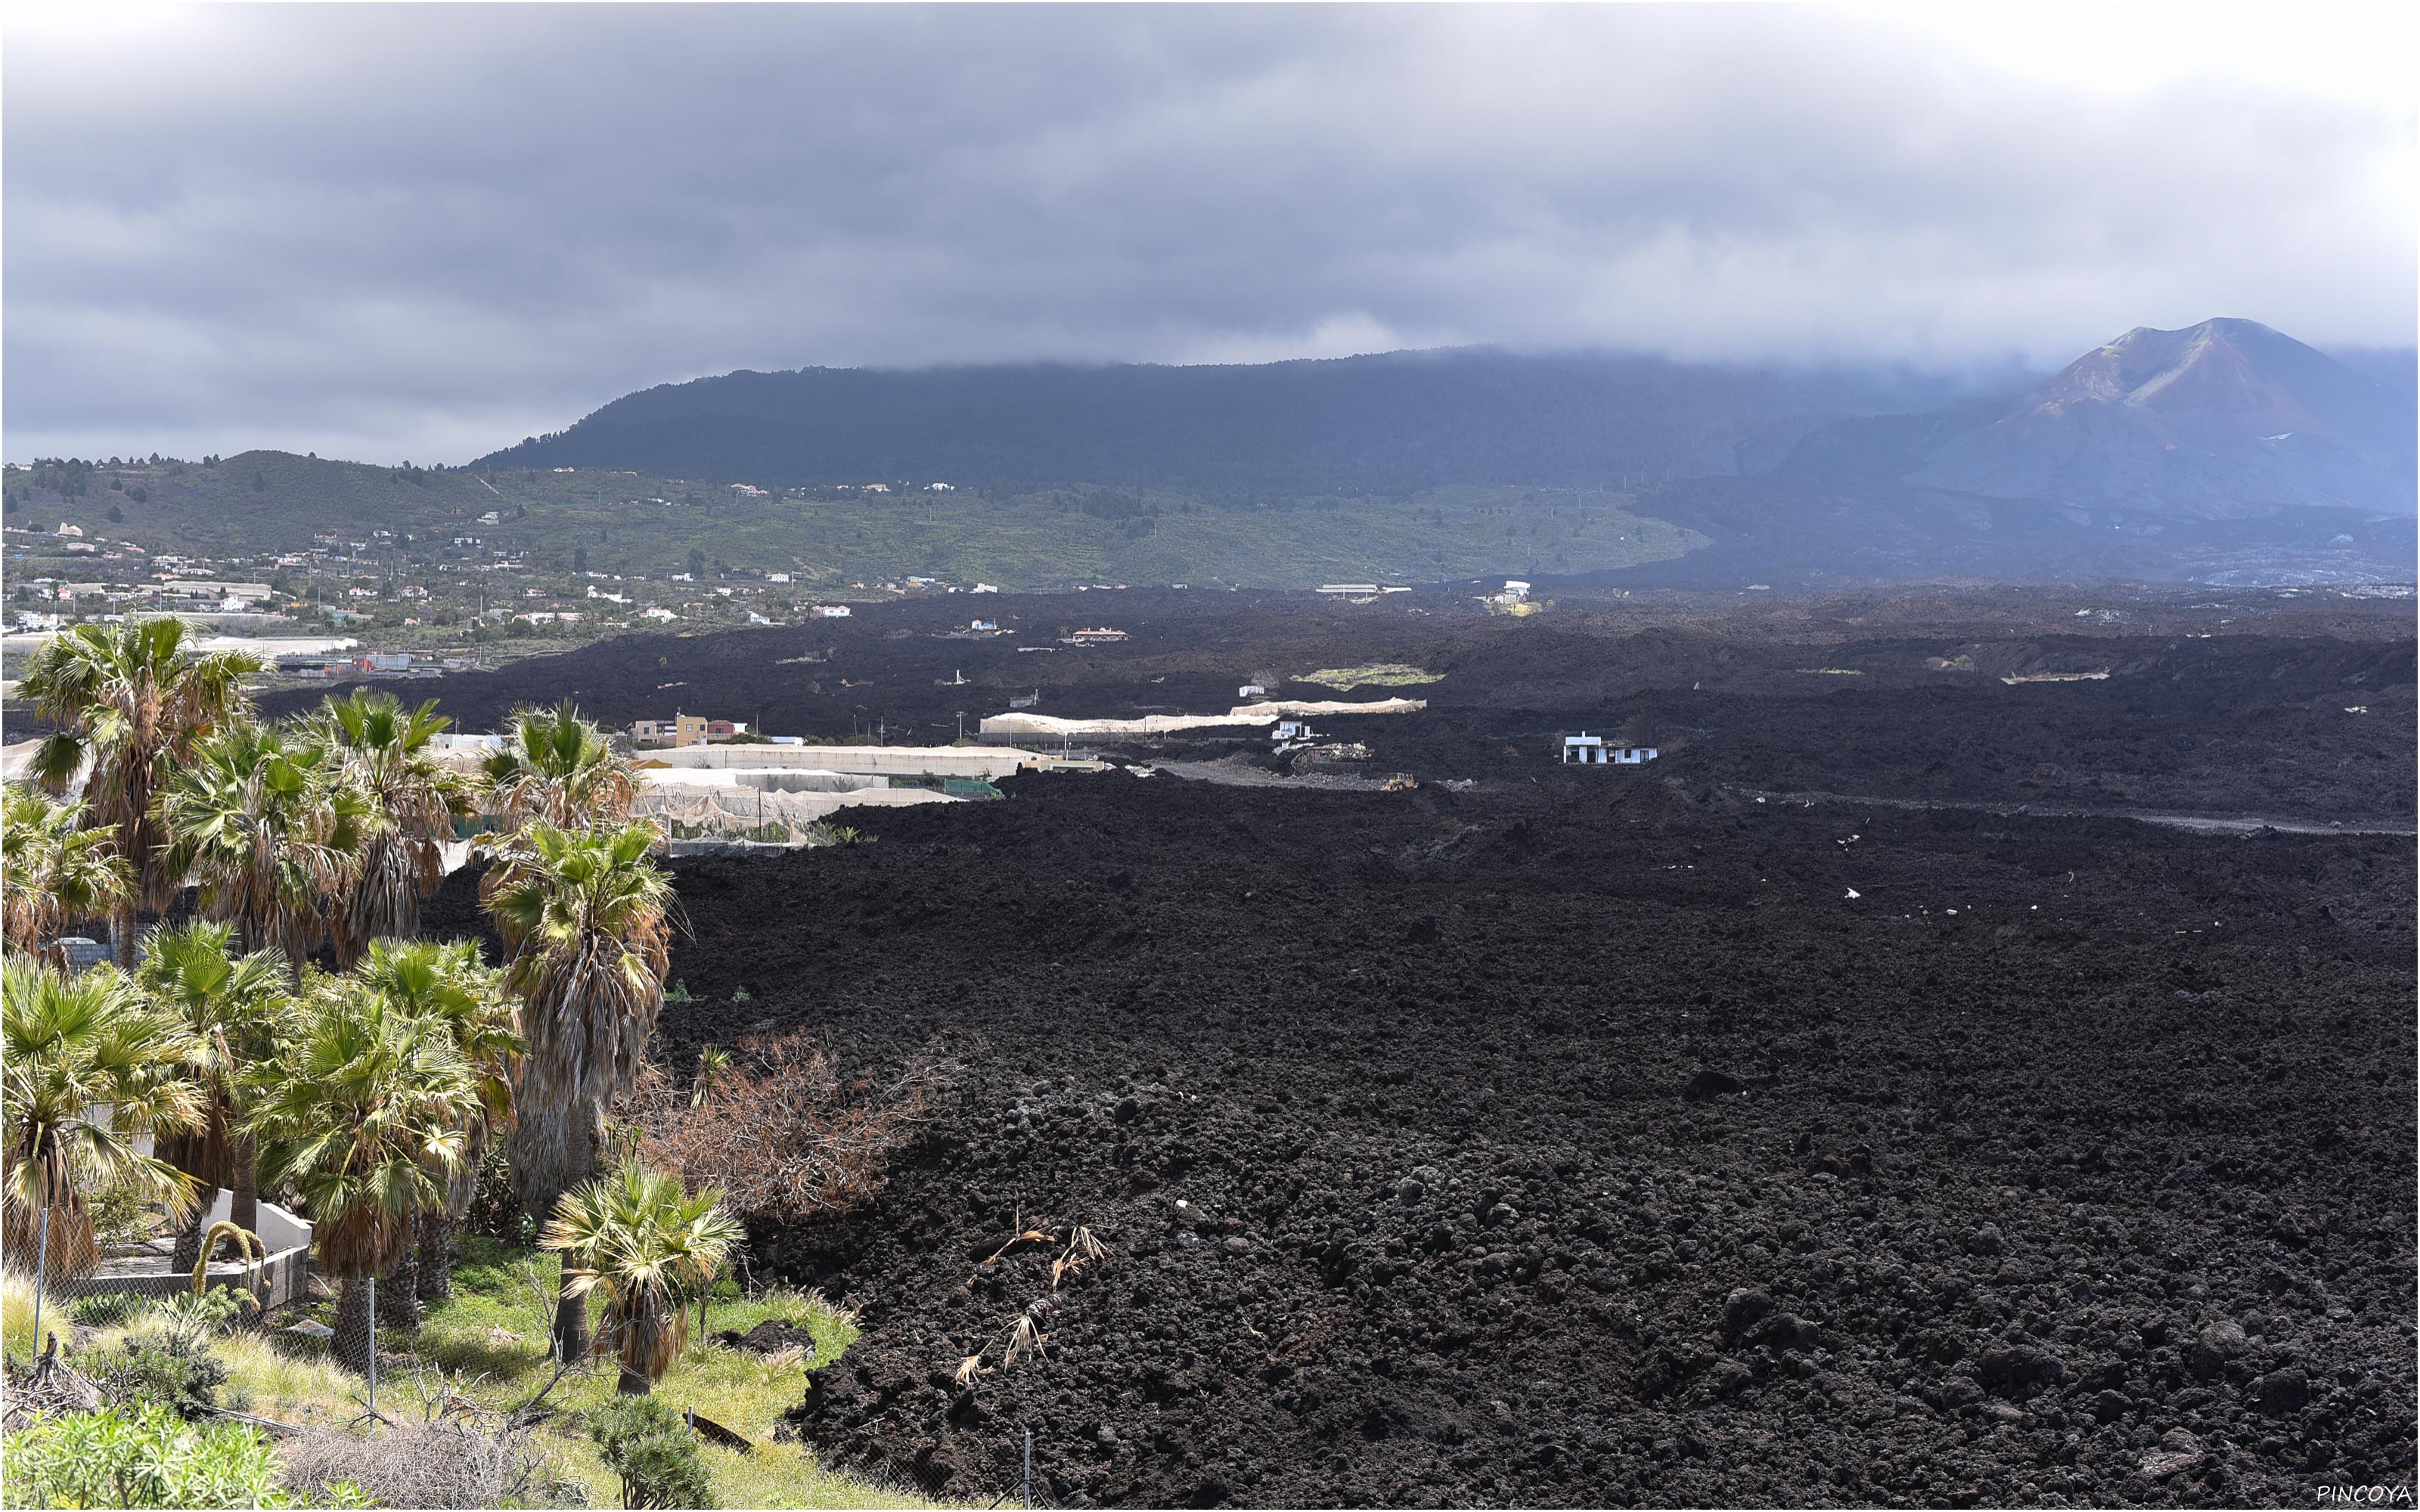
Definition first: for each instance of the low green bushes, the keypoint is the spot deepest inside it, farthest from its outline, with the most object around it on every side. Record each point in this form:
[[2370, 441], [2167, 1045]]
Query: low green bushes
[[649, 1445], [145, 1455]]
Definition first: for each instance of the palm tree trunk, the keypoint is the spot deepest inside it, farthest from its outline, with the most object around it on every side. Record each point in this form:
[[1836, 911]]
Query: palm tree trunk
[[188, 1252], [632, 1382], [260, 939], [356, 1335], [572, 1336], [243, 1199], [436, 1260], [399, 1292], [121, 934]]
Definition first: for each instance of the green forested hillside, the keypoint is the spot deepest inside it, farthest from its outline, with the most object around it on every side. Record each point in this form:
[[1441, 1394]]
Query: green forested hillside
[[621, 522]]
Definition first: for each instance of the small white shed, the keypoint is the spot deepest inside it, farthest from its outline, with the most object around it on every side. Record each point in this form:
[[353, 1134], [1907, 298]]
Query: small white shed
[[1584, 749]]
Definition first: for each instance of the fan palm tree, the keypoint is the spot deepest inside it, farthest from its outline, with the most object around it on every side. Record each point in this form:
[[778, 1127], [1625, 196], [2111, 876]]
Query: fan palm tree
[[271, 829], [129, 701], [646, 1242], [234, 1008], [449, 987], [587, 935], [90, 1066], [387, 749], [361, 1117], [55, 871], [556, 767]]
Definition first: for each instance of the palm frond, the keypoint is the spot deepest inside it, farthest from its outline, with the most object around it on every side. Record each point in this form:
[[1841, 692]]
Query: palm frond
[[362, 1117], [52, 870], [270, 830], [584, 922], [90, 1066], [647, 1243], [128, 706]]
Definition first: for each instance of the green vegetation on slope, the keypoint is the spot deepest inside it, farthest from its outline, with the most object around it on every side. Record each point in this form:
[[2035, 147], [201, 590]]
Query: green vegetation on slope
[[489, 1338], [623, 523]]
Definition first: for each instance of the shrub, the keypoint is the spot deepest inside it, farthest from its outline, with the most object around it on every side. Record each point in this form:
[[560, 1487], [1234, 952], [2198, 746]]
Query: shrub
[[140, 1373], [108, 1309], [646, 1444], [193, 1318], [143, 1457], [781, 1133], [442, 1464]]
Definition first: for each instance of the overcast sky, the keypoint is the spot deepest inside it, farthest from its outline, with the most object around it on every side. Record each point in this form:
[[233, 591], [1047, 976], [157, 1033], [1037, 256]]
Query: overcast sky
[[427, 231]]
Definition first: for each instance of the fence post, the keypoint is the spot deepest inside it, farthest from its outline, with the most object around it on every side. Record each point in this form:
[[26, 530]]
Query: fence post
[[373, 1286], [1029, 1470], [41, 1272]]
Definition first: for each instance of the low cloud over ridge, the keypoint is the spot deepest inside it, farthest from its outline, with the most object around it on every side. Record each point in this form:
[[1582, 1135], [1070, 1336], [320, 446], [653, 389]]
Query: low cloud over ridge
[[427, 231]]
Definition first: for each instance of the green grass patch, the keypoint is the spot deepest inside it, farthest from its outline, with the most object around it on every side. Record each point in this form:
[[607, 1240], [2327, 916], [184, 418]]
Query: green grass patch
[[493, 1332], [1379, 674], [491, 1339]]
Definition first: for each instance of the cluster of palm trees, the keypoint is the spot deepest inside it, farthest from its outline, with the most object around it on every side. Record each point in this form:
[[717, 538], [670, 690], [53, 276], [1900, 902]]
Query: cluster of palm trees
[[368, 1094]]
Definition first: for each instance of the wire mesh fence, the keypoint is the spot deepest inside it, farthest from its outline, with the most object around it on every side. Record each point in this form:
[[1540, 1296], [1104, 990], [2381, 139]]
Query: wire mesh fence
[[88, 1274], [147, 1307]]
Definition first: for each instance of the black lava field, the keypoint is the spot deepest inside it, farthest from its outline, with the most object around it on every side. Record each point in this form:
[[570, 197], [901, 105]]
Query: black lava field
[[1644, 1136]]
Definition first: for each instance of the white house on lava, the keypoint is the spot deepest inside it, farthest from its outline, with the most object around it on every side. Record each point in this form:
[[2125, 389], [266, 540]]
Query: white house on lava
[[1584, 749]]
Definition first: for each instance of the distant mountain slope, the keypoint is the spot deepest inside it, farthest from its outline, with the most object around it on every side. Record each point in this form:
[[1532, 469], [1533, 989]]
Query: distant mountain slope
[[2205, 423], [1801, 530], [1392, 424], [2396, 369], [612, 521]]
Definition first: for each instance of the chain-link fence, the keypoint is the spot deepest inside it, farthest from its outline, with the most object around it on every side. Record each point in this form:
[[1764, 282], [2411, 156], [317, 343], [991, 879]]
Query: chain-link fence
[[89, 1269]]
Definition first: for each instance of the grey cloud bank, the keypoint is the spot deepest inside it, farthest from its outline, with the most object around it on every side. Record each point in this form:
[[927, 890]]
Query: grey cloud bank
[[425, 232]]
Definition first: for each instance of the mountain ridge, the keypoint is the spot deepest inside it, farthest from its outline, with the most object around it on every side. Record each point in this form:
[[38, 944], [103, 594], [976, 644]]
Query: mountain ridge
[[1384, 423], [2200, 423]]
